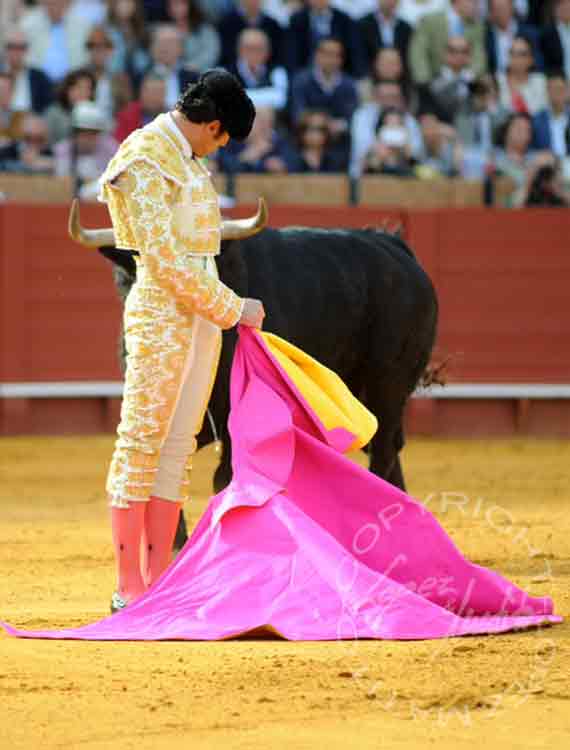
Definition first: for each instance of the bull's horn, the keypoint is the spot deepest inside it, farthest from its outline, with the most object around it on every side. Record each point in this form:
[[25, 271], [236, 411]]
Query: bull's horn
[[232, 229], [239, 229], [88, 237]]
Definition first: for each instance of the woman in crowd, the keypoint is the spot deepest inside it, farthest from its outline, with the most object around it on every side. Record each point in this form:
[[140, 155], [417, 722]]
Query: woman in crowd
[[520, 88], [77, 86], [515, 158], [112, 90], [314, 143], [201, 40], [126, 27]]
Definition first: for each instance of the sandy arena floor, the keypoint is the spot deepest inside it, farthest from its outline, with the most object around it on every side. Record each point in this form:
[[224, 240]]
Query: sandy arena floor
[[506, 505]]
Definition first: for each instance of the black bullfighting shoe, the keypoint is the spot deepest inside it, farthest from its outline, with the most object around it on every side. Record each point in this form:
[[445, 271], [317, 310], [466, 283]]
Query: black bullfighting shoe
[[117, 602]]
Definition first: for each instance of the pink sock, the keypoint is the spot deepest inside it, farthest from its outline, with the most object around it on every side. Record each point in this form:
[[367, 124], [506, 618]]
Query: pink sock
[[161, 520], [127, 527]]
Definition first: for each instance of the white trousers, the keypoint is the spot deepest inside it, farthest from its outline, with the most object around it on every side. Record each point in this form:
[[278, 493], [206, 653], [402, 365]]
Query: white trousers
[[189, 411]]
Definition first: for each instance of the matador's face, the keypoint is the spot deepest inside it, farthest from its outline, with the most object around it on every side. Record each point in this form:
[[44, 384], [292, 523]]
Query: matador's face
[[212, 138]]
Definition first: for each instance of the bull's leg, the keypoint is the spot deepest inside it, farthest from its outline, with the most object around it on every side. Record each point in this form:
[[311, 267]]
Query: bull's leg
[[396, 476], [181, 533], [223, 472], [387, 402]]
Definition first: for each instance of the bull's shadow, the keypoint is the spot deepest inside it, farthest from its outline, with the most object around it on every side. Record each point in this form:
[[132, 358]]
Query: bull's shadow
[[356, 300]]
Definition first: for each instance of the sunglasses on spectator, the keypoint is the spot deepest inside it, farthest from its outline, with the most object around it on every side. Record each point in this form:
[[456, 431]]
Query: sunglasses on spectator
[[458, 50], [16, 45], [520, 53], [316, 129]]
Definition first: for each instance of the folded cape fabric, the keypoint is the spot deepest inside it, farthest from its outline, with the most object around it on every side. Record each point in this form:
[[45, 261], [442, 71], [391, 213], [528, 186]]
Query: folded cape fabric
[[305, 543]]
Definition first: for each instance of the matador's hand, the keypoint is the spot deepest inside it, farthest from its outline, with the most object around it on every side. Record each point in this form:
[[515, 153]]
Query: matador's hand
[[252, 314]]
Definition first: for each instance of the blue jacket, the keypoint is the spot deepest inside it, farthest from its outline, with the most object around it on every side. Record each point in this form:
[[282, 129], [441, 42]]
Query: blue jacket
[[542, 134]]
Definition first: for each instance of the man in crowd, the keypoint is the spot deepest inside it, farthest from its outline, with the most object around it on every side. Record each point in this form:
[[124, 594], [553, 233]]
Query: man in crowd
[[551, 127], [555, 39], [324, 87], [86, 153], [502, 27], [56, 34], [248, 14], [31, 154], [447, 93], [10, 120], [33, 90], [166, 51], [266, 86], [137, 114], [319, 20], [384, 28], [429, 42]]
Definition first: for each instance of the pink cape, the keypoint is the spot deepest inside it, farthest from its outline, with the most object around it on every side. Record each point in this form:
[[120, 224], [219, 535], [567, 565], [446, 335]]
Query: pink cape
[[306, 544]]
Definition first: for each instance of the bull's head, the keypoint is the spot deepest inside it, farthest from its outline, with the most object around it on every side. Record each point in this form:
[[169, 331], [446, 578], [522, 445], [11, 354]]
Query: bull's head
[[232, 229]]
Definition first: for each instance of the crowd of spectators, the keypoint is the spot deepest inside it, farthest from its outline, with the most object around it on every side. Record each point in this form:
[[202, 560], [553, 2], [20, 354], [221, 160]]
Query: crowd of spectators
[[407, 88]]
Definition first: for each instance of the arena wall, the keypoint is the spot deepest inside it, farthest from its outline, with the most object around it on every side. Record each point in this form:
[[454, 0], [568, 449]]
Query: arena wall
[[502, 279]]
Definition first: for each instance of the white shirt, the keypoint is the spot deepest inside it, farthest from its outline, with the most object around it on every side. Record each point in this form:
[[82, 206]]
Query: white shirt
[[22, 95], [455, 23], [558, 126], [503, 42], [387, 28]]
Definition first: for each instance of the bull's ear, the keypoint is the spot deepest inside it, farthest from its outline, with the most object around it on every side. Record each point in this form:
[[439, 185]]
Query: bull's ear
[[239, 229], [87, 237]]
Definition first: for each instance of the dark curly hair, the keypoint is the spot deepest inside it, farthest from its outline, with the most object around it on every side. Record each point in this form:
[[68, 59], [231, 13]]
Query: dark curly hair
[[219, 95]]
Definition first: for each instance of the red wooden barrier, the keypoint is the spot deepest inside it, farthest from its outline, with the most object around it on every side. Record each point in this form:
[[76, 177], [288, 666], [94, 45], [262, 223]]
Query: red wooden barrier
[[502, 279]]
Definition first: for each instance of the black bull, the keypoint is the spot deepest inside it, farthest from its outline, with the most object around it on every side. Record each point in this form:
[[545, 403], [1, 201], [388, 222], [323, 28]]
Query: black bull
[[356, 300]]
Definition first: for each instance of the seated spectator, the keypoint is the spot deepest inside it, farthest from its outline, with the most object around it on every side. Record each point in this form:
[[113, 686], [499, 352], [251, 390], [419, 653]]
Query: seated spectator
[[137, 114], [77, 86], [201, 41], [551, 126], [387, 95], [429, 42], [126, 26], [324, 86], [319, 20], [264, 151], [383, 28], [87, 152], [442, 154], [545, 186], [248, 14], [315, 145], [477, 124], [112, 90], [10, 120], [449, 91], [31, 154], [501, 30], [33, 90], [515, 157], [555, 39], [56, 34], [266, 86], [391, 153], [521, 89], [167, 60]]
